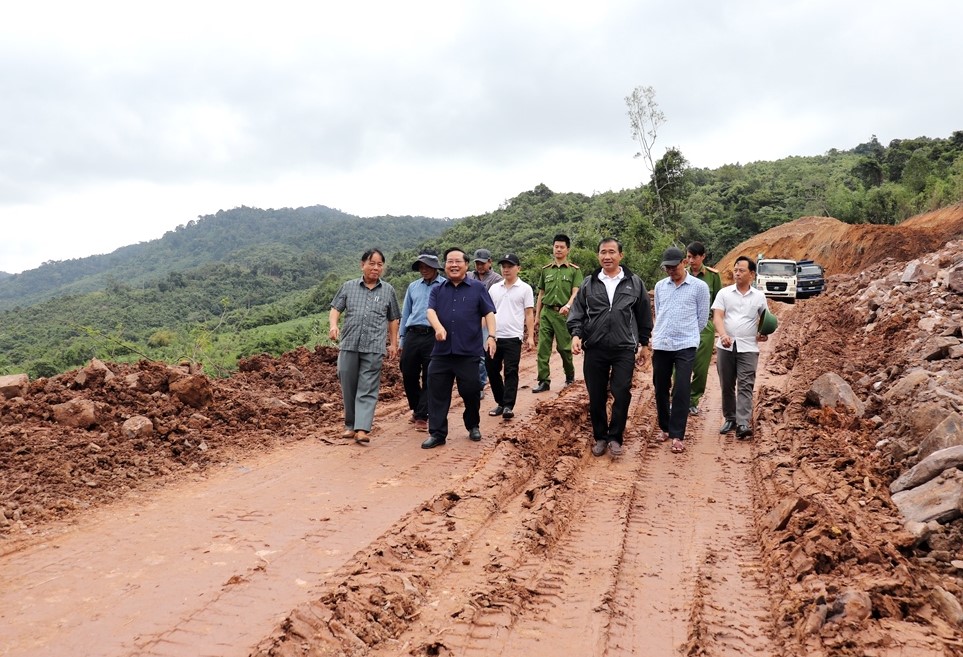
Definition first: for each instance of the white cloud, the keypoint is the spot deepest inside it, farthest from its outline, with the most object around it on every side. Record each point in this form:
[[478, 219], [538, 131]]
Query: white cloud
[[121, 121]]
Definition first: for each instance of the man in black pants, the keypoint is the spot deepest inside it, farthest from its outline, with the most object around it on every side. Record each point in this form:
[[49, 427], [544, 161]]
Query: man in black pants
[[610, 321], [456, 310], [417, 337], [514, 302]]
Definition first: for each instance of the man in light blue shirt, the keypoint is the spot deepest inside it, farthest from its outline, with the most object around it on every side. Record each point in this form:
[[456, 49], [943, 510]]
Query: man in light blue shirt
[[681, 312], [417, 336]]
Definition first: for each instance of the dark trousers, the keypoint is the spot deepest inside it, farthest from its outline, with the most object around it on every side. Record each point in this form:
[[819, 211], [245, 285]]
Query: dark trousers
[[415, 357], [443, 371], [508, 353], [674, 413], [608, 370]]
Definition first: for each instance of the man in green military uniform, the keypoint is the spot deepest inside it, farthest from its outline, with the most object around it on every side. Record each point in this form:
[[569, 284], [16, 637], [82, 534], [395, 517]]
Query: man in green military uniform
[[696, 255], [558, 282]]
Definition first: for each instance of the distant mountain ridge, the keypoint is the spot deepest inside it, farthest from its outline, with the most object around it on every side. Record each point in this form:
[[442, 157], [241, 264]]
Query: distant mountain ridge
[[242, 234]]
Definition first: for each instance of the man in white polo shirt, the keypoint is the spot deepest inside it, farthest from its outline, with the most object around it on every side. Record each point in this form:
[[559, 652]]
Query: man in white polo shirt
[[735, 313], [514, 321]]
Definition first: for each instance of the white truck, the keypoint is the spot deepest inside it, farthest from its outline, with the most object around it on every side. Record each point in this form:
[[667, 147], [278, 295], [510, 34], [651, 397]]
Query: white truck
[[776, 278]]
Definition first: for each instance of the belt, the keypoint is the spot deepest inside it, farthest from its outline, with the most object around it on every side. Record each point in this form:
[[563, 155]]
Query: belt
[[555, 308], [419, 330]]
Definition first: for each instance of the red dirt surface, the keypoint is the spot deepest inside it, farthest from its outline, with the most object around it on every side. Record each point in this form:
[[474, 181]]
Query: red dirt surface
[[247, 526]]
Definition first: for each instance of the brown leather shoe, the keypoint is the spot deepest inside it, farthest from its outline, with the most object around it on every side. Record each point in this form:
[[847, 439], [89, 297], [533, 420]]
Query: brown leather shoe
[[347, 433]]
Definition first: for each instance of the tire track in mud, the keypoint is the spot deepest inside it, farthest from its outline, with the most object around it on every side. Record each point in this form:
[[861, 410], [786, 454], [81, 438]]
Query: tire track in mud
[[545, 550]]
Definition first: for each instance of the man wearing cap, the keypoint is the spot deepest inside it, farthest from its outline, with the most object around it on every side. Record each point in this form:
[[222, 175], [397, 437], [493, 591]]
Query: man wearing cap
[[735, 314], [514, 302], [558, 283], [417, 336], [696, 257], [681, 312], [371, 314], [484, 273], [456, 310], [610, 320]]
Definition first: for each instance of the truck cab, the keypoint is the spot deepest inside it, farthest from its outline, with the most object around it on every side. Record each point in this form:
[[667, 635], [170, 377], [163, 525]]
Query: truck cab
[[776, 278], [810, 279]]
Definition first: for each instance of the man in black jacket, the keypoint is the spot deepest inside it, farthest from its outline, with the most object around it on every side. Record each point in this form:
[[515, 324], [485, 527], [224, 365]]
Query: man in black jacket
[[610, 320]]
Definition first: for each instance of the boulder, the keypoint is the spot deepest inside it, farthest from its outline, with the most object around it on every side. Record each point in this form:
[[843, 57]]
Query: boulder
[[14, 385], [194, 390], [916, 272], [948, 433], [954, 280], [832, 390], [137, 427], [937, 499], [931, 466], [911, 380], [938, 347], [80, 413]]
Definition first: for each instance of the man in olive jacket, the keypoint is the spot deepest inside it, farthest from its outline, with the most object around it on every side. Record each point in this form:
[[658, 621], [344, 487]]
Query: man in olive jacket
[[610, 320]]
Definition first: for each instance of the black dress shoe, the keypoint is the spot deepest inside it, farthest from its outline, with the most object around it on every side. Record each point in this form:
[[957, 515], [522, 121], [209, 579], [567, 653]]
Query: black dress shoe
[[474, 434], [432, 441], [569, 380], [743, 431], [508, 413], [728, 426], [542, 386], [498, 410], [599, 447]]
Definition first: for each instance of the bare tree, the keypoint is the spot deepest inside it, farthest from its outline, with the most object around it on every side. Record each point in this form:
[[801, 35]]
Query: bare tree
[[645, 117]]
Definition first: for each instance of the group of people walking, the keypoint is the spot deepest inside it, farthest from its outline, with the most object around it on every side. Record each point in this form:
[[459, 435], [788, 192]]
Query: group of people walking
[[468, 327]]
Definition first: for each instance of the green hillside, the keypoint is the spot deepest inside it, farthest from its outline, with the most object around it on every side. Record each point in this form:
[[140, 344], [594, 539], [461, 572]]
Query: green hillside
[[246, 281], [247, 236]]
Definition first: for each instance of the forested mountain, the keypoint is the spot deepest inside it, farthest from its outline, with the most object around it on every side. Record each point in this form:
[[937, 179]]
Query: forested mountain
[[243, 236], [245, 281]]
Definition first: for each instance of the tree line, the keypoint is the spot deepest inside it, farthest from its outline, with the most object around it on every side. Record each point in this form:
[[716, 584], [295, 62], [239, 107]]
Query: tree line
[[247, 281]]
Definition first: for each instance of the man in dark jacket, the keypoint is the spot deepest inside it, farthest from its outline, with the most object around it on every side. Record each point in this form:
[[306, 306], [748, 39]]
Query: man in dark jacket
[[610, 320]]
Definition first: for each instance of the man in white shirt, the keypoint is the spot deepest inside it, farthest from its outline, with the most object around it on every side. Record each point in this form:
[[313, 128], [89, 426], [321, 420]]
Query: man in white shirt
[[514, 320], [735, 313], [611, 321]]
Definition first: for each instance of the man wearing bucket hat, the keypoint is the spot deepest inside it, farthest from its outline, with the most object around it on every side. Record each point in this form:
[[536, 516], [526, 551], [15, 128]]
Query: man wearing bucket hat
[[417, 336], [742, 320]]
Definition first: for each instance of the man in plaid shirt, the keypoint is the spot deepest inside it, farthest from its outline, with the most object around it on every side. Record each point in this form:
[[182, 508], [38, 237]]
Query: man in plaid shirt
[[371, 315]]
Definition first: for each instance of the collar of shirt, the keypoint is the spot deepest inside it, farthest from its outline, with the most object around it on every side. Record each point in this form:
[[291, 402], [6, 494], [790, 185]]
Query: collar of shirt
[[611, 282], [606, 278]]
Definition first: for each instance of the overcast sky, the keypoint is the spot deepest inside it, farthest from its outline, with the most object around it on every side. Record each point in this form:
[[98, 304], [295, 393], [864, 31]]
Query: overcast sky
[[121, 120]]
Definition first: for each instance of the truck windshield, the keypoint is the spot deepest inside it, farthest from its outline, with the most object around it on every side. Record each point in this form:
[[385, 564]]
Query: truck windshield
[[810, 270], [777, 268]]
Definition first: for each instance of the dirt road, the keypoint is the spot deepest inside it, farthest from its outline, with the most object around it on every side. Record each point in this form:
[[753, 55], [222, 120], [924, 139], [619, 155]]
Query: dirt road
[[520, 544]]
